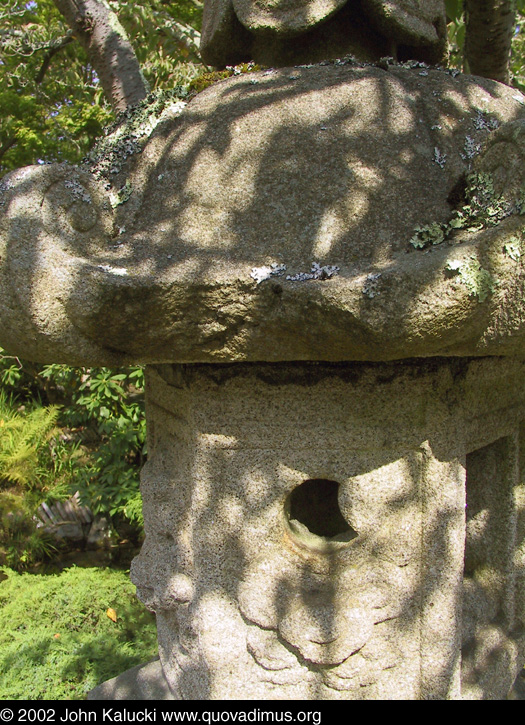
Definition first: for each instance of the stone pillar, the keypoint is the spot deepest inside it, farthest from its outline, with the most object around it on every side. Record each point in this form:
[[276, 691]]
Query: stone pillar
[[306, 529]]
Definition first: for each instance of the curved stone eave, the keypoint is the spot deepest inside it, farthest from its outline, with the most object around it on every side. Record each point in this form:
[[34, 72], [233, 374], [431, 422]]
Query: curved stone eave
[[419, 305], [176, 283], [416, 306]]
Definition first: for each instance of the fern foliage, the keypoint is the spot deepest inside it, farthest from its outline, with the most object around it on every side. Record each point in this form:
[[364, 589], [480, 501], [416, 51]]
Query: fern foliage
[[22, 434]]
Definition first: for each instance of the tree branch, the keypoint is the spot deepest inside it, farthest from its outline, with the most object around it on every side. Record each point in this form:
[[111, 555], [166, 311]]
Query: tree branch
[[109, 50], [52, 51], [6, 146]]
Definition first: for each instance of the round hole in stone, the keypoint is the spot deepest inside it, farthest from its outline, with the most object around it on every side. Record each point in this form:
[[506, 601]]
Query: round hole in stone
[[313, 508]]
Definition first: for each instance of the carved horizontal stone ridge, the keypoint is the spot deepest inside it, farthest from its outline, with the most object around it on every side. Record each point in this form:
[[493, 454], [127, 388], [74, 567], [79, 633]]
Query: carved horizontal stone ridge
[[384, 207]]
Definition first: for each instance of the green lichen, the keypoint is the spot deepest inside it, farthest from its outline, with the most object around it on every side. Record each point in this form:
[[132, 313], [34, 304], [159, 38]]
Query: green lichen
[[479, 281], [130, 132], [483, 121], [121, 196], [520, 204], [482, 208], [425, 236], [512, 248]]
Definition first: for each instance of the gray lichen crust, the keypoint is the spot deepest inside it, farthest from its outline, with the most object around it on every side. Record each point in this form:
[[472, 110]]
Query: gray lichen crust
[[271, 198]]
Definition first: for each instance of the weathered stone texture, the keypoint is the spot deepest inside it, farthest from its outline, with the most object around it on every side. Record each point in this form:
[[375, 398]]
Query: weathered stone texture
[[251, 603], [144, 682], [332, 165], [288, 32], [334, 507]]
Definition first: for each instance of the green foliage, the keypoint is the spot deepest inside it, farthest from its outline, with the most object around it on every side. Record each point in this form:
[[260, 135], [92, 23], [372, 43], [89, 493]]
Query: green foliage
[[106, 409], [133, 510], [90, 439], [22, 435], [517, 61], [98, 447], [53, 107], [456, 32], [454, 9], [165, 37], [34, 465], [456, 38], [21, 543], [10, 370], [57, 641]]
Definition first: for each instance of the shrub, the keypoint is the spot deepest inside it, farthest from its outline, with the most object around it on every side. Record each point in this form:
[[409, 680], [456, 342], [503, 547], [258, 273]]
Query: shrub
[[107, 408], [57, 637], [21, 543], [99, 446]]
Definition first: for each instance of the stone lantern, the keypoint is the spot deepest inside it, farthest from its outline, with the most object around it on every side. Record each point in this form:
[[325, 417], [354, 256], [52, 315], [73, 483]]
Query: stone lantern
[[322, 268]]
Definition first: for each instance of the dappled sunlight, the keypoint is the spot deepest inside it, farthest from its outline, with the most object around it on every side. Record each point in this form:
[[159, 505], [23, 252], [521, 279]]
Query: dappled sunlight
[[305, 520], [338, 166], [325, 237], [316, 522]]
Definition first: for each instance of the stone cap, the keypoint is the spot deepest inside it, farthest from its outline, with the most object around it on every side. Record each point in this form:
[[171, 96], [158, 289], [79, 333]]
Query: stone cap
[[334, 212], [372, 28]]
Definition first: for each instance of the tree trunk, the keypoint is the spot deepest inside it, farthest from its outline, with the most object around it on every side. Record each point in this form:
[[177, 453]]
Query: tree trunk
[[490, 26], [109, 50]]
